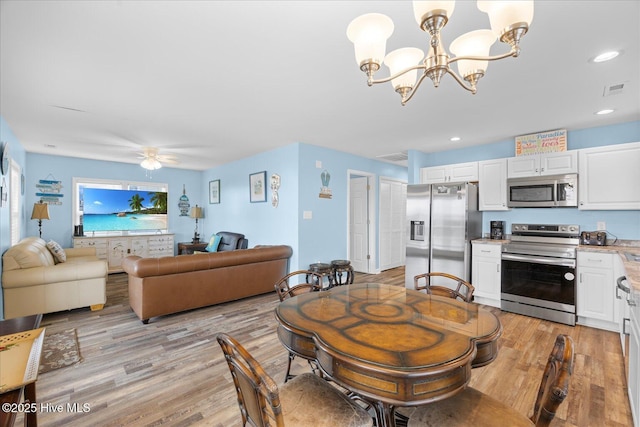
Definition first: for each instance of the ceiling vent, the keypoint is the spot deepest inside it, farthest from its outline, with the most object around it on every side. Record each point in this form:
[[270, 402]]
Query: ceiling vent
[[394, 157], [613, 89]]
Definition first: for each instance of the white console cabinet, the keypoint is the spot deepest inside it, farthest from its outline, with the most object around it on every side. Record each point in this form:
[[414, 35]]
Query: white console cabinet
[[114, 249]]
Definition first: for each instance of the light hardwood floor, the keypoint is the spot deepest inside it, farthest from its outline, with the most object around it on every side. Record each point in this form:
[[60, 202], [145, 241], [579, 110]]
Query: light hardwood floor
[[171, 371]]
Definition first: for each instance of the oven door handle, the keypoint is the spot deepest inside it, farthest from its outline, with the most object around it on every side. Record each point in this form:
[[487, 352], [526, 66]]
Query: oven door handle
[[540, 260]]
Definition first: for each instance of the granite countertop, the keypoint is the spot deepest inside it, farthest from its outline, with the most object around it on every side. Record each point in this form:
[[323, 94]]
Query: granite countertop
[[632, 268]]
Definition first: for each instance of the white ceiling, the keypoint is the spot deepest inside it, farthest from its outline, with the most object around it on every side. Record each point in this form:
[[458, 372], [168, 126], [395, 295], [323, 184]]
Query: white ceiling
[[215, 81]]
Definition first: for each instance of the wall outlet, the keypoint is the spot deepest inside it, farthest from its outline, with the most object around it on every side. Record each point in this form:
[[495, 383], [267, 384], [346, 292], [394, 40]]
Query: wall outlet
[[307, 215], [601, 226]]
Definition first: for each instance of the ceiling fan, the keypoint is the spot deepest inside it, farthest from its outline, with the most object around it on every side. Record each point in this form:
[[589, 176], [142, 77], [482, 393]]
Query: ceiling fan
[[151, 160]]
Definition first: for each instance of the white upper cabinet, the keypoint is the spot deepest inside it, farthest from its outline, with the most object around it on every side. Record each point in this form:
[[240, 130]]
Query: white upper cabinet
[[559, 163], [609, 177], [492, 185], [459, 172]]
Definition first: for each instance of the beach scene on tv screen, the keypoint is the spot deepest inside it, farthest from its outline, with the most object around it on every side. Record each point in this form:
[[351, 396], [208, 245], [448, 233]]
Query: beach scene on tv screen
[[126, 210]]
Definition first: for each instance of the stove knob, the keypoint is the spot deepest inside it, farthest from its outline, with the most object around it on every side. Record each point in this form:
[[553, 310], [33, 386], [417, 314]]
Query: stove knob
[[572, 228]]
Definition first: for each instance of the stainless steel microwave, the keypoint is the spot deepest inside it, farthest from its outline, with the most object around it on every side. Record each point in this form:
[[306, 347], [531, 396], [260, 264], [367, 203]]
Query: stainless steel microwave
[[543, 191]]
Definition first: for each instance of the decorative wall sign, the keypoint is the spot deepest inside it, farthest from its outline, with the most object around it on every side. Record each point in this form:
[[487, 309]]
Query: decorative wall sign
[[214, 191], [275, 185], [325, 191], [257, 187], [50, 190], [184, 204], [541, 142]]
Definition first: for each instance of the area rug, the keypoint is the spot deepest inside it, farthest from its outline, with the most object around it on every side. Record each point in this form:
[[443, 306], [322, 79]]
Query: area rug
[[59, 350]]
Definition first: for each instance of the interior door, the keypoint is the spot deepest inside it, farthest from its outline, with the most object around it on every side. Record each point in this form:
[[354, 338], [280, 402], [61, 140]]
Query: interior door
[[359, 223], [393, 201]]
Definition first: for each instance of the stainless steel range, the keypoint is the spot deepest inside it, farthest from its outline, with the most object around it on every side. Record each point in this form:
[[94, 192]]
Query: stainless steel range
[[539, 271]]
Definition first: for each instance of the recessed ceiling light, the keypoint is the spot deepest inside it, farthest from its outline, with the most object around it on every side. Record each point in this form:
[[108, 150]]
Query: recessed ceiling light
[[454, 139], [606, 56], [605, 111]]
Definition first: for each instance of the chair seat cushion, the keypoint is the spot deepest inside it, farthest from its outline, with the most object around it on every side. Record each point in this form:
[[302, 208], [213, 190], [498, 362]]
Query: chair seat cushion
[[470, 407], [308, 400]]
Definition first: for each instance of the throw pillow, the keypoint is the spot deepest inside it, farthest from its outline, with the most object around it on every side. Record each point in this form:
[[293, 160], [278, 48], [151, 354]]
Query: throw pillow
[[56, 250], [214, 242]]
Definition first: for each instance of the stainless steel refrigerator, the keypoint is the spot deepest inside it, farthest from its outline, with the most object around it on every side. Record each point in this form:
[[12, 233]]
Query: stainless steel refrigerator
[[442, 221]]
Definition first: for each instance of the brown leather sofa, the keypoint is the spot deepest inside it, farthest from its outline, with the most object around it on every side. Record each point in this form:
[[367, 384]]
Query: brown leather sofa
[[160, 286]]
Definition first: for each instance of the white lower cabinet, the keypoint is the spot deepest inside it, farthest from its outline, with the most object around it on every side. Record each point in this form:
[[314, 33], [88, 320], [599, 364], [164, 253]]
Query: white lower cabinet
[[115, 249], [633, 381], [596, 290], [486, 272]]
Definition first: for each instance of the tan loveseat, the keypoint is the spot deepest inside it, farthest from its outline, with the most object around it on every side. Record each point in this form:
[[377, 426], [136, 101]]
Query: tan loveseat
[[159, 286], [33, 283]]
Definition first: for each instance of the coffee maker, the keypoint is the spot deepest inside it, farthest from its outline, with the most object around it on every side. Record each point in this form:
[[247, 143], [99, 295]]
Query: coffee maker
[[497, 230]]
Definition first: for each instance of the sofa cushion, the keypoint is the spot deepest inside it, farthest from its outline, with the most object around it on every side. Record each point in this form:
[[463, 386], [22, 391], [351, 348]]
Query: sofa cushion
[[214, 242], [56, 250]]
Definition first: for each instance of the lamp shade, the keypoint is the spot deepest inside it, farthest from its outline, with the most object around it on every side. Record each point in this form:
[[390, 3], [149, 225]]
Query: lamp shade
[[503, 14], [422, 8], [196, 212], [473, 43], [401, 59], [369, 34], [40, 211]]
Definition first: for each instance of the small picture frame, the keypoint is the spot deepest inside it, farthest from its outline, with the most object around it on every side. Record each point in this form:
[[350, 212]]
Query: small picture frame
[[214, 191], [258, 187]]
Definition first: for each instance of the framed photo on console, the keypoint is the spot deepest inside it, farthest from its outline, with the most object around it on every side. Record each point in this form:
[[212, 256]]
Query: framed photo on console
[[214, 191], [257, 187]]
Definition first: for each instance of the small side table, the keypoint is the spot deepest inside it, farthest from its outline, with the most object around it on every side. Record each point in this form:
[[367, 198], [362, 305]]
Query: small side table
[[185, 248], [324, 270], [339, 267], [8, 327]]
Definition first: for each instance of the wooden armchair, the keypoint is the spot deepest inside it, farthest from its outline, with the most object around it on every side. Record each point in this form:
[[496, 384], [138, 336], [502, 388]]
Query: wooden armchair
[[312, 283], [465, 295], [307, 400], [471, 407]]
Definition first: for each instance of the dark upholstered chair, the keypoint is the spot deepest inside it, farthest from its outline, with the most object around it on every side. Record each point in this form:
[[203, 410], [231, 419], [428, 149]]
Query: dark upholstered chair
[[231, 241], [308, 281], [463, 290], [471, 407], [306, 400]]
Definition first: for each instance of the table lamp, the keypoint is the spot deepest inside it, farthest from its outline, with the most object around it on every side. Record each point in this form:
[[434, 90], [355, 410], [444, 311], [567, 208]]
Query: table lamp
[[40, 212], [196, 212]]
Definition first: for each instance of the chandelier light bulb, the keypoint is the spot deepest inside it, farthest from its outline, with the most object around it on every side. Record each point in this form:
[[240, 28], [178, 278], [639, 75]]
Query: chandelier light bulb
[[401, 59], [369, 34]]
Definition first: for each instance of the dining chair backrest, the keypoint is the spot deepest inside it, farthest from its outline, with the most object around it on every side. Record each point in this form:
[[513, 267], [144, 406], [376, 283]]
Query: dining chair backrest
[[554, 386], [257, 392], [312, 282], [463, 289]]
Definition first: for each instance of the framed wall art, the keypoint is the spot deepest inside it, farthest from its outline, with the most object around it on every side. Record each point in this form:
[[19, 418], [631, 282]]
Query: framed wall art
[[257, 187], [214, 191]]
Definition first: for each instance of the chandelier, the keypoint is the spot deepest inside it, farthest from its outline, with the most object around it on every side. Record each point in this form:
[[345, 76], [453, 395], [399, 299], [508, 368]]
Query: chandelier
[[509, 20]]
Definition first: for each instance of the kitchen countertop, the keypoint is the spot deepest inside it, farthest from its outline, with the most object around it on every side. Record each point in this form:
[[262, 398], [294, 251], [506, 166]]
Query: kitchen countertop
[[632, 268]]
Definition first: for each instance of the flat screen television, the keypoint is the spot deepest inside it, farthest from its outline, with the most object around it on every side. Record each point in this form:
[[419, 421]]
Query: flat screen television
[[123, 210]]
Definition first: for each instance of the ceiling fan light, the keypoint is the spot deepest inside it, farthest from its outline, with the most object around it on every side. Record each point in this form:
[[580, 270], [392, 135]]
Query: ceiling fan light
[[473, 43], [369, 34], [151, 164], [503, 15], [401, 59]]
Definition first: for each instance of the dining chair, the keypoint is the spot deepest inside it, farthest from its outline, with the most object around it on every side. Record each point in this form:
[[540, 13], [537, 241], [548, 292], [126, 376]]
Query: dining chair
[[466, 296], [306, 400], [472, 407], [312, 283]]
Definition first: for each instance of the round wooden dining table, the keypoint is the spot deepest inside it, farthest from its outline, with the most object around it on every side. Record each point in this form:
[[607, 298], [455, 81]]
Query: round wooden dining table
[[390, 345]]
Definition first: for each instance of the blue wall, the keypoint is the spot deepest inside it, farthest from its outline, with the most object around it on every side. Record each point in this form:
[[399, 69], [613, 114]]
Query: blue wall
[[621, 224]]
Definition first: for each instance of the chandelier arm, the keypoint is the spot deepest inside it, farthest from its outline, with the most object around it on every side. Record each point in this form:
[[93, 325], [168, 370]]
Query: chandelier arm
[[406, 70], [461, 81], [414, 89], [513, 52]]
